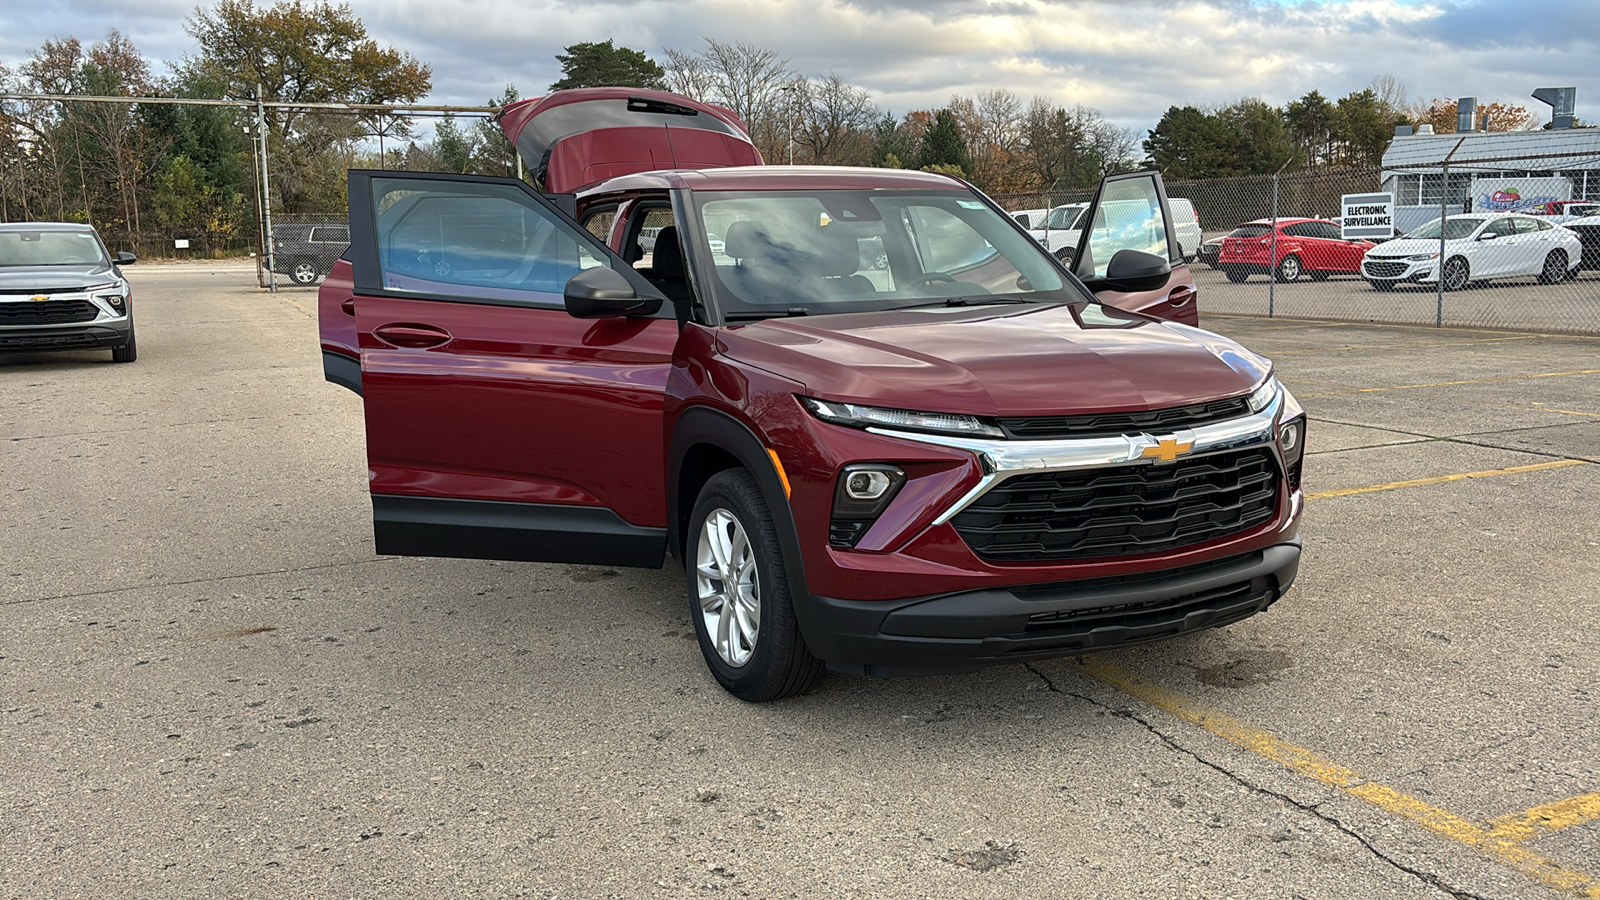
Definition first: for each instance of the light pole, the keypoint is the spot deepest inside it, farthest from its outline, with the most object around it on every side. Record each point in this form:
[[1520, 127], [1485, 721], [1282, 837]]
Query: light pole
[[791, 89]]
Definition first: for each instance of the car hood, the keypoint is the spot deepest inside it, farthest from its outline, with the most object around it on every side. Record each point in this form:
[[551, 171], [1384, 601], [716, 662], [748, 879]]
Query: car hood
[[1000, 360], [28, 279], [1411, 247]]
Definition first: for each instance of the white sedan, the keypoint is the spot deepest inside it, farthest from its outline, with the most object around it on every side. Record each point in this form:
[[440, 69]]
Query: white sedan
[[1477, 247]]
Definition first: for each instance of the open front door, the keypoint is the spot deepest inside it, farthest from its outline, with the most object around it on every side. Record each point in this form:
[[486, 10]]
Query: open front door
[[1130, 212], [499, 426]]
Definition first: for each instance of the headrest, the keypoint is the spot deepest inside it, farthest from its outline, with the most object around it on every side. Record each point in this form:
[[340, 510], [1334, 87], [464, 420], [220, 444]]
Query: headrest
[[668, 259], [747, 240]]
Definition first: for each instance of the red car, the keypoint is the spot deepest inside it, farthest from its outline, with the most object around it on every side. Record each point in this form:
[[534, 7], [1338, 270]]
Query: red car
[[1311, 247], [961, 459]]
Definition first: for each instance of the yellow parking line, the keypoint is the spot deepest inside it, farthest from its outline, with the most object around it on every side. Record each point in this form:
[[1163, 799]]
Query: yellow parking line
[[1519, 337], [1443, 479], [1407, 387], [1515, 829], [1441, 822]]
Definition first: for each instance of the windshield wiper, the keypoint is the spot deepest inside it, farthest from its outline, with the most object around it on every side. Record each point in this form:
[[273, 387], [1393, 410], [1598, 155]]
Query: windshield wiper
[[760, 316], [970, 301]]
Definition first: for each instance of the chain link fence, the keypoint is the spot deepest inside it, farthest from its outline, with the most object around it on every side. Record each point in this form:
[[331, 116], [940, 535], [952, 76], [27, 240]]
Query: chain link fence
[[1518, 247], [304, 248]]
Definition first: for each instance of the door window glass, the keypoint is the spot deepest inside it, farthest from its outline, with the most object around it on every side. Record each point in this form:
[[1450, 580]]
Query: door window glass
[[1500, 228], [1303, 229], [1128, 217], [599, 222], [1525, 225], [649, 229], [475, 240]]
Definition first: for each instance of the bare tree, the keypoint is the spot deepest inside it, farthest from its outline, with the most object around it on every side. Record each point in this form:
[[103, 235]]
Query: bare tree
[[748, 80], [838, 121], [689, 75]]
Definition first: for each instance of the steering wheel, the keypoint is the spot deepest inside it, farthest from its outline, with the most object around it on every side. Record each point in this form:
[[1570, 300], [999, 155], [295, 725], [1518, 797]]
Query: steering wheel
[[932, 277]]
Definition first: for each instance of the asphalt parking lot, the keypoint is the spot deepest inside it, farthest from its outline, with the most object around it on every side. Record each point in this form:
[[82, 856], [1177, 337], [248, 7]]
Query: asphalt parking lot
[[210, 686]]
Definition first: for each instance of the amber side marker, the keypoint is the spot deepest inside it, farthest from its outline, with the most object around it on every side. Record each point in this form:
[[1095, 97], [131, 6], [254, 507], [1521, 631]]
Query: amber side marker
[[782, 475]]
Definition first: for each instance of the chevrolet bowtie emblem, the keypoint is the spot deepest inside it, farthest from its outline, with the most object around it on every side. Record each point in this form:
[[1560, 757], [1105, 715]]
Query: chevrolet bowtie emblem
[[1167, 449], [39, 298]]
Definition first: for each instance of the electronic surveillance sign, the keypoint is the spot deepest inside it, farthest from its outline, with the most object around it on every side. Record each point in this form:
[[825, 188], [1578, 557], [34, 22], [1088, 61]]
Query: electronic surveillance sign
[[1367, 216]]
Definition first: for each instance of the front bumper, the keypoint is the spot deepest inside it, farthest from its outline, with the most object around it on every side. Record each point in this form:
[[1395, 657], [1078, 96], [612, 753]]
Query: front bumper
[[97, 335], [970, 630]]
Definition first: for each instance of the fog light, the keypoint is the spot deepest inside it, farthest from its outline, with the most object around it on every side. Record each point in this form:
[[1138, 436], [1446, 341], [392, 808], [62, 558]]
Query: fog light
[[869, 485], [115, 301], [1289, 437]]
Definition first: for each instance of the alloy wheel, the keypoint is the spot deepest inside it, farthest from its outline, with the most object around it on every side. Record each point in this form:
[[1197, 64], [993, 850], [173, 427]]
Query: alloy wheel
[[728, 586], [1455, 275], [304, 273]]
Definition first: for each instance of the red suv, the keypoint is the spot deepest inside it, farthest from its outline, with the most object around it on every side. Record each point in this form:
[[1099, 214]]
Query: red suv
[[960, 459], [1313, 247]]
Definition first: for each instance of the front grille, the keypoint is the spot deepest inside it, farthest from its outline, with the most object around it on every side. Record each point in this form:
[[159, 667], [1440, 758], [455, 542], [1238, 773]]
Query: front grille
[[1121, 510], [22, 340], [48, 312], [1385, 269], [1118, 423]]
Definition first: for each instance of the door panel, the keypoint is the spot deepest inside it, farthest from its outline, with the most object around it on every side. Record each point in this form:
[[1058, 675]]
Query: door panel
[[498, 426], [1130, 212]]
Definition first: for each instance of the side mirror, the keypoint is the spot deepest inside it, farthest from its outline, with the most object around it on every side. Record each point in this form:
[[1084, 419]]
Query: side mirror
[[1132, 271], [125, 258], [601, 293]]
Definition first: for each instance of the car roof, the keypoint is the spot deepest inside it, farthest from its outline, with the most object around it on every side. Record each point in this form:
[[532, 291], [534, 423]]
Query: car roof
[[45, 226], [1282, 220], [778, 178]]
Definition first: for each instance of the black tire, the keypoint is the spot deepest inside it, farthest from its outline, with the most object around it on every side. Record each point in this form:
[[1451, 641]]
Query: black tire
[[1067, 255], [304, 271], [1319, 276], [1555, 268], [1455, 273], [779, 664], [1288, 270], [127, 352], [1236, 276], [1382, 285]]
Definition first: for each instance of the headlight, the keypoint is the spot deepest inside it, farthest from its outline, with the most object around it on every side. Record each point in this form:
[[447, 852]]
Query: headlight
[[108, 286], [1423, 257], [858, 416], [1263, 396]]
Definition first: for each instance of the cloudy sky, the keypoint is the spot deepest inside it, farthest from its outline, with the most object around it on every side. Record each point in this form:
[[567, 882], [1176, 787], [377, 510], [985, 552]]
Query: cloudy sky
[[1131, 59]]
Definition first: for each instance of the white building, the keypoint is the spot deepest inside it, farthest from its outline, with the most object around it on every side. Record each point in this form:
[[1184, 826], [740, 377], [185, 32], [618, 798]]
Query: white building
[[1491, 171]]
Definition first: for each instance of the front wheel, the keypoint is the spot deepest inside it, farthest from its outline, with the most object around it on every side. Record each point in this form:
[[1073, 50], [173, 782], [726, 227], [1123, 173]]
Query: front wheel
[[1555, 268], [1456, 274], [1237, 276], [739, 596], [1382, 285], [127, 352], [1067, 255]]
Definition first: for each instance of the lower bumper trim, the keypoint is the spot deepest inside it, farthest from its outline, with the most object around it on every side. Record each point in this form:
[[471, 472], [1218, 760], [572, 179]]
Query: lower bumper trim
[[974, 629]]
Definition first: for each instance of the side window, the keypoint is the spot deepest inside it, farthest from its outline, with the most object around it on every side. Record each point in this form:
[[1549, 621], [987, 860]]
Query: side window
[[331, 234], [476, 241], [1128, 217], [1501, 228], [598, 222], [1526, 225], [1303, 229], [1329, 231]]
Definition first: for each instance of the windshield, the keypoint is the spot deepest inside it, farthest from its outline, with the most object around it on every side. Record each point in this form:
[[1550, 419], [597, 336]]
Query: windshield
[[51, 248], [1064, 218], [1454, 229], [811, 252]]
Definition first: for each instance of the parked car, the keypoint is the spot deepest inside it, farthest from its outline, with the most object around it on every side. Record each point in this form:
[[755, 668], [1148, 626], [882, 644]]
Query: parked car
[[1478, 247], [61, 290], [1588, 232], [306, 253], [1061, 230], [1187, 224], [963, 459], [1029, 219], [1562, 211], [1310, 247], [1211, 249]]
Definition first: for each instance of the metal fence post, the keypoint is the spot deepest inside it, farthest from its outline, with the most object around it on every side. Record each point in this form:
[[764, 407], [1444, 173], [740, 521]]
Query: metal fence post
[[1272, 261], [1444, 211], [266, 191]]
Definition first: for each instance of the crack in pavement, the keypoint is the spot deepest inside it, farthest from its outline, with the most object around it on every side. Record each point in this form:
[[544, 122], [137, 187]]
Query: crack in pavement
[[165, 584], [1314, 809]]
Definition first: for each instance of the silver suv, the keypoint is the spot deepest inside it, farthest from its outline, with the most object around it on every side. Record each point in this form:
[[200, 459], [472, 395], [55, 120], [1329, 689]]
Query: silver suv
[[61, 290]]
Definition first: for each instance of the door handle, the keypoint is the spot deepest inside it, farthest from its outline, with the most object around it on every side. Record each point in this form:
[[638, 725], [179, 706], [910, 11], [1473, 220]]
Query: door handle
[[411, 335], [348, 307], [1181, 295]]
